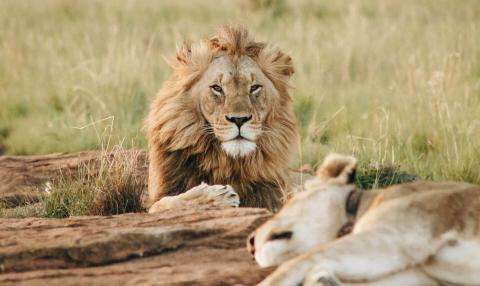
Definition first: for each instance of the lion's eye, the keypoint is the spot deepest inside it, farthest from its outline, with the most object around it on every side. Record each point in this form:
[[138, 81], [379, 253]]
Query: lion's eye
[[216, 89], [255, 89]]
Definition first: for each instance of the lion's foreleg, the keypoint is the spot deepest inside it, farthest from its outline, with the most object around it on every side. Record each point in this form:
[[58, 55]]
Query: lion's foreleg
[[155, 178]]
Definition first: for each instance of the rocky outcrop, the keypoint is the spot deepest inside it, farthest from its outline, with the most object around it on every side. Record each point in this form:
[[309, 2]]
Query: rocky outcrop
[[182, 247], [201, 246], [22, 178]]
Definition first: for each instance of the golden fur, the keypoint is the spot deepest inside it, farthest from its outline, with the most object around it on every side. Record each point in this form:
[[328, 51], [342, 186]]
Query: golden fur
[[183, 153], [420, 233]]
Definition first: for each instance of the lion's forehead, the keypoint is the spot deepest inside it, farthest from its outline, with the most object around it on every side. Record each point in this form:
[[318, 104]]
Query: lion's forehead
[[227, 70]]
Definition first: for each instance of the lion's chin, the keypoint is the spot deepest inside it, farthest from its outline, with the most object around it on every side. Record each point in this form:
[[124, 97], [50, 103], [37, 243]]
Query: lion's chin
[[238, 147]]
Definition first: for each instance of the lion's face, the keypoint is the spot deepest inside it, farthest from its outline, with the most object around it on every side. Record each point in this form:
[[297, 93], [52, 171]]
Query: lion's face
[[234, 97]]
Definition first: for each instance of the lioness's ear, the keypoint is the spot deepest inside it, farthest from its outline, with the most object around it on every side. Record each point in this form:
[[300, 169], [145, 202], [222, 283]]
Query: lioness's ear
[[338, 169]]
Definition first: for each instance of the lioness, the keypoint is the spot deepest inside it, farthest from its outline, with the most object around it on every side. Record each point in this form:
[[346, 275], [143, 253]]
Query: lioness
[[224, 117], [421, 233]]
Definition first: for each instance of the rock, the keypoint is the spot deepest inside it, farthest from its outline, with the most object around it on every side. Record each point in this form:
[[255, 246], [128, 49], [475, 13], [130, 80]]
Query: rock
[[22, 178], [201, 246], [181, 247]]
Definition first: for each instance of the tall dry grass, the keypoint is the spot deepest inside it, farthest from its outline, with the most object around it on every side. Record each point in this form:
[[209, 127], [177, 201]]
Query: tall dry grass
[[393, 82], [113, 184]]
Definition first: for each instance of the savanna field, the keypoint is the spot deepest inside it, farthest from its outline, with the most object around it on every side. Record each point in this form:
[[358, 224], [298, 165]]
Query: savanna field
[[396, 83]]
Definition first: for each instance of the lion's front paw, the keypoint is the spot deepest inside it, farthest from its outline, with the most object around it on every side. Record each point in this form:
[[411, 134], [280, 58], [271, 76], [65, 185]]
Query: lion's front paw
[[215, 195], [203, 194]]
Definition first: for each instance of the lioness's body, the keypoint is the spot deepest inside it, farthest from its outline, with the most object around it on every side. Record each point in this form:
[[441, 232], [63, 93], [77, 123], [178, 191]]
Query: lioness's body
[[433, 226], [449, 206], [421, 233]]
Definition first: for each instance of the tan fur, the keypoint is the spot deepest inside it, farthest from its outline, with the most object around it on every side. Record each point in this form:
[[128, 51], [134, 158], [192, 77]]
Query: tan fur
[[421, 233], [183, 153], [201, 195], [337, 169]]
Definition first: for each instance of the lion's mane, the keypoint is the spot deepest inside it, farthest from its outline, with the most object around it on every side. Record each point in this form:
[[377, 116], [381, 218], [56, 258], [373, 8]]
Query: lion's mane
[[182, 154]]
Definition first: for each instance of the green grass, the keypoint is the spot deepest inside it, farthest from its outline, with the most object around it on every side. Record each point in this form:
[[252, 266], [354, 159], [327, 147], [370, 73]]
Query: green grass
[[396, 83], [371, 177], [28, 210]]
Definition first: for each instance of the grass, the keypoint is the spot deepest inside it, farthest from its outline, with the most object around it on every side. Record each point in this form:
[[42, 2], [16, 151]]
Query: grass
[[375, 176], [396, 83], [111, 186]]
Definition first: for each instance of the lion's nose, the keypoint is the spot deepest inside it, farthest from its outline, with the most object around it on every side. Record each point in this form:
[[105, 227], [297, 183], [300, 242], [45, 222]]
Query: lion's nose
[[239, 121], [251, 243]]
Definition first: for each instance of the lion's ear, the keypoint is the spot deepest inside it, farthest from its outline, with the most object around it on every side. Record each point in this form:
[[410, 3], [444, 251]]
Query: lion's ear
[[283, 64], [276, 62], [253, 49], [190, 61], [215, 45], [338, 169], [276, 65], [184, 53]]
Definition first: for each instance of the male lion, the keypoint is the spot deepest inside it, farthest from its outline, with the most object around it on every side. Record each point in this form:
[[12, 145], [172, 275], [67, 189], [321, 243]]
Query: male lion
[[224, 117], [416, 234]]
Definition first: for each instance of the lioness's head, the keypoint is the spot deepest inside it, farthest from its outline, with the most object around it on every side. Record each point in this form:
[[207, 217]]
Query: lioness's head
[[312, 217]]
